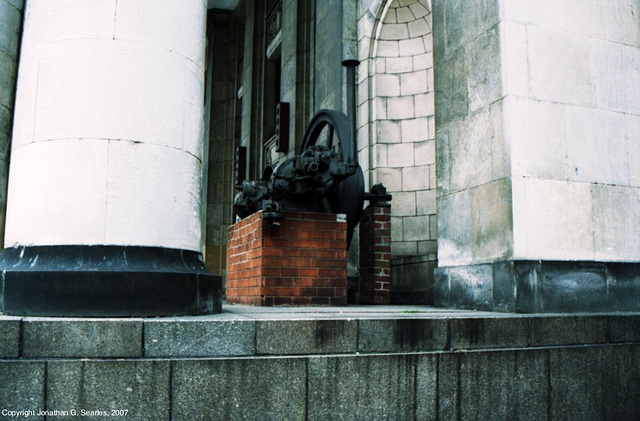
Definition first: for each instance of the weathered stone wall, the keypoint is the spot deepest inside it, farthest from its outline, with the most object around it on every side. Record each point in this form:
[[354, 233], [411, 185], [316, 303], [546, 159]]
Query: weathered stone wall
[[238, 365], [474, 194], [573, 87], [537, 114], [537, 154], [10, 34], [225, 35], [396, 135], [329, 79]]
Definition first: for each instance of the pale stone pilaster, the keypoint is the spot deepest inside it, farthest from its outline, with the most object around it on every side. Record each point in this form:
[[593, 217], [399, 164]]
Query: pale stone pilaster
[[537, 112]]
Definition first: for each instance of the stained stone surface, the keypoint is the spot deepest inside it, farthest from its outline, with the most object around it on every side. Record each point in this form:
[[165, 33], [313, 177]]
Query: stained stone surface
[[372, 388], [594, 383], [22, 385], [85, 338], [505, 385], [9, 337], [305, 336], [403, 335], [265, 389], [568, 330], [140, 387], [484, 333], [358, 362], [199, 337], [537, 153]]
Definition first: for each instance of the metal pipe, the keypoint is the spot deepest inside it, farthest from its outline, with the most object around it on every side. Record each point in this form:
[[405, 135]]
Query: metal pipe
[[351, 65]]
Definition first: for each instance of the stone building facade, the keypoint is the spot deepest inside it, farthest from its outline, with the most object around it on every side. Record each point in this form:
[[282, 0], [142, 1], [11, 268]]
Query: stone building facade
[[506, 133], [301, 60], [528, 114]]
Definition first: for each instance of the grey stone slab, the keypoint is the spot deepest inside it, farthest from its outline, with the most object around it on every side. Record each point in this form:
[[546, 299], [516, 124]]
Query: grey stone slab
[[574, 286], [504, 385], [10, 24], [22, 387], [485, 333], [362, 387], [141, 388], [9, 337], [480, 132], [529, 287], [623, 328], [621, 383], [505, 291], [402, 335], [441, 287], [287, 337], [623, 286], [427, 387], [594, 383], [18, 4], [465, 20], [472, 286], [492, 219], [447, 397], [439, 30], [6, 117], [198, 338], [8, 69], [566, 330], [83, 338], [451, 91], [239, 389], [485, 81]]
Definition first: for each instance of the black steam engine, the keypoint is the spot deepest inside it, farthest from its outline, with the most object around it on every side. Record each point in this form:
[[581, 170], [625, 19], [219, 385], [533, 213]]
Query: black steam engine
[[324, 177]]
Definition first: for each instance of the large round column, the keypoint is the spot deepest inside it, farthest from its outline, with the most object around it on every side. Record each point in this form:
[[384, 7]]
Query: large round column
[[103, 214]]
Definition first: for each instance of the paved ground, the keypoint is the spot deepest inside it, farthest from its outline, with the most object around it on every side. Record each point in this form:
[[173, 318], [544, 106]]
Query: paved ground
[[352, 311], [374, 311]]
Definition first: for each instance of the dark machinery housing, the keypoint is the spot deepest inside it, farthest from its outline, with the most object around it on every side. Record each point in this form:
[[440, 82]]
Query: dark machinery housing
[[324, 177]]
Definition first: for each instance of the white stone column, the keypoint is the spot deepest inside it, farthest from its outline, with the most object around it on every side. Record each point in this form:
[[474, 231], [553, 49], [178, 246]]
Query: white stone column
[[537, 115], [108, 133]]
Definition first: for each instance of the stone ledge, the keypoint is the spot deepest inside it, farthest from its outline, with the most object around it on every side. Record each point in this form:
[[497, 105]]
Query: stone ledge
[[242, 331], [585, 382]]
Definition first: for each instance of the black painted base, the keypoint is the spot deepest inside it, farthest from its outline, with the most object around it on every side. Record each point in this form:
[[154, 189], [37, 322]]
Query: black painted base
[[106, 281], [540, 287]]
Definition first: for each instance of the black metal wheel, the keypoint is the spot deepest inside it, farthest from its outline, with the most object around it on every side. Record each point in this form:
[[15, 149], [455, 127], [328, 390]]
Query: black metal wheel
[[337, 124], [348, 198]]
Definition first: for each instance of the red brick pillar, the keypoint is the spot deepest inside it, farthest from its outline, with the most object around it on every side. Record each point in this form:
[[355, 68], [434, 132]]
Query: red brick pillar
[[301, 262], [375, 255]]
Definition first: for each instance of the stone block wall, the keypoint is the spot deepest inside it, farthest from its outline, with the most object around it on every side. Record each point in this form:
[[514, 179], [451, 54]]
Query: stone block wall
[[443, 365], [10, 34], [474, 191], [396, 134], [537, 130], [300, 262], [574, 101], [225, 35]]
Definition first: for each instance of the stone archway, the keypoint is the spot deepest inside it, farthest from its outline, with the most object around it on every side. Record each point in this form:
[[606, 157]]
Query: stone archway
[[401, 136]]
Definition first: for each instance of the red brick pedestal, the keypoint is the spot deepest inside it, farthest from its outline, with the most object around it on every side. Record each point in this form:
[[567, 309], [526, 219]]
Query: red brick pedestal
[[301, 262], [375, 255]]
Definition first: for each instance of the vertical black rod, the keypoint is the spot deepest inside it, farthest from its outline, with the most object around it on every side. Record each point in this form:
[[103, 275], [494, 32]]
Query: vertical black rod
[[351, 109]]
